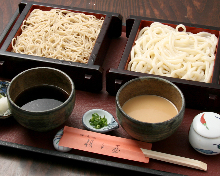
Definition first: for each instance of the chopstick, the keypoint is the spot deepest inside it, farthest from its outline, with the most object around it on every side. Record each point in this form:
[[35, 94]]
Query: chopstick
[[175, 159]]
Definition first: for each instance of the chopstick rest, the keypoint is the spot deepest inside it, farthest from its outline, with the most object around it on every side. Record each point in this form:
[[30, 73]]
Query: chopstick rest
[[175, 159]]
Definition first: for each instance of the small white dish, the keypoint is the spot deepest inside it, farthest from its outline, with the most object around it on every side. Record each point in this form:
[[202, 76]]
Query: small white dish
[[112, 124], [3, 92]]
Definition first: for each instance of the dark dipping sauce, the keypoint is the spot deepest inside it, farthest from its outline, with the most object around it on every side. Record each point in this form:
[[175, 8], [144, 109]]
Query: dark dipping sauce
[[41, 98]]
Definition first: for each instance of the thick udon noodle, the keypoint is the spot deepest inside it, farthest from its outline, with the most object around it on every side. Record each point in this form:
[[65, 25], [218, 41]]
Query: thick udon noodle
[[58, 34], [163, 50]]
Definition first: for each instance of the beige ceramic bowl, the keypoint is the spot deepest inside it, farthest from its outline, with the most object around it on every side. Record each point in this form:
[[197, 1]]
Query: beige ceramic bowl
[[46, 119], [143, 131]]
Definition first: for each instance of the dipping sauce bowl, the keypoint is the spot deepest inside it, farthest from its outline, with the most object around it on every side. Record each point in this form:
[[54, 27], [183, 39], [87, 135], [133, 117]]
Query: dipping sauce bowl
[[147, 131], [41, 98]]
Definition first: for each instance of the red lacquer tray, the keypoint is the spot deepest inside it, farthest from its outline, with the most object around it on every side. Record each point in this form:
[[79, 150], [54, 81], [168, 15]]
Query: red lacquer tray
[[15, 136]]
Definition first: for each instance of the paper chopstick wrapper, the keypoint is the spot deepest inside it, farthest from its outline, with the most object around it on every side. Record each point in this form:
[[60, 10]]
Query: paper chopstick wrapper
[[104, 144]]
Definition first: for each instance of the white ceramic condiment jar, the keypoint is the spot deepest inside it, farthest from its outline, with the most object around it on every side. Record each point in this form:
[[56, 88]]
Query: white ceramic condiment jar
[[204, 133]]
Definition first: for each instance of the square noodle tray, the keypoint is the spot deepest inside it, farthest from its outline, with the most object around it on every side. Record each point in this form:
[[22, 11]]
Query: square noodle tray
[[85, 76], [198, 95]]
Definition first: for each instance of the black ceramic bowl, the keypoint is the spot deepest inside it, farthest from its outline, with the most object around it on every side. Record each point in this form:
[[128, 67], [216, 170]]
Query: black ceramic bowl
[[144, 131], [41, 119]]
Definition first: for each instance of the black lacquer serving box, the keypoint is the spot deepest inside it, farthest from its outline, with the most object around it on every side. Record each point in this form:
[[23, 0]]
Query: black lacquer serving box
[[198, 95], [85, 76]]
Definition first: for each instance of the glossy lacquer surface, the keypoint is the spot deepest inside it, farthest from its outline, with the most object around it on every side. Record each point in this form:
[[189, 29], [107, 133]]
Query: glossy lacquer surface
[[25, 152]]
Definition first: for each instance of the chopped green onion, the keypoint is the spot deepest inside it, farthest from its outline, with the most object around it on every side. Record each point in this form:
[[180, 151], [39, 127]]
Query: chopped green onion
[[97, 121]]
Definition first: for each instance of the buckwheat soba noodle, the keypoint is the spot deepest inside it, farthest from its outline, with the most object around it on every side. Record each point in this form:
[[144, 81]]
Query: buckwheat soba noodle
[[58, 34], [163, 50]]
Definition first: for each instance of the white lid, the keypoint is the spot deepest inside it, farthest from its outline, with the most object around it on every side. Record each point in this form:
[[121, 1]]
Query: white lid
[[207, 124]]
